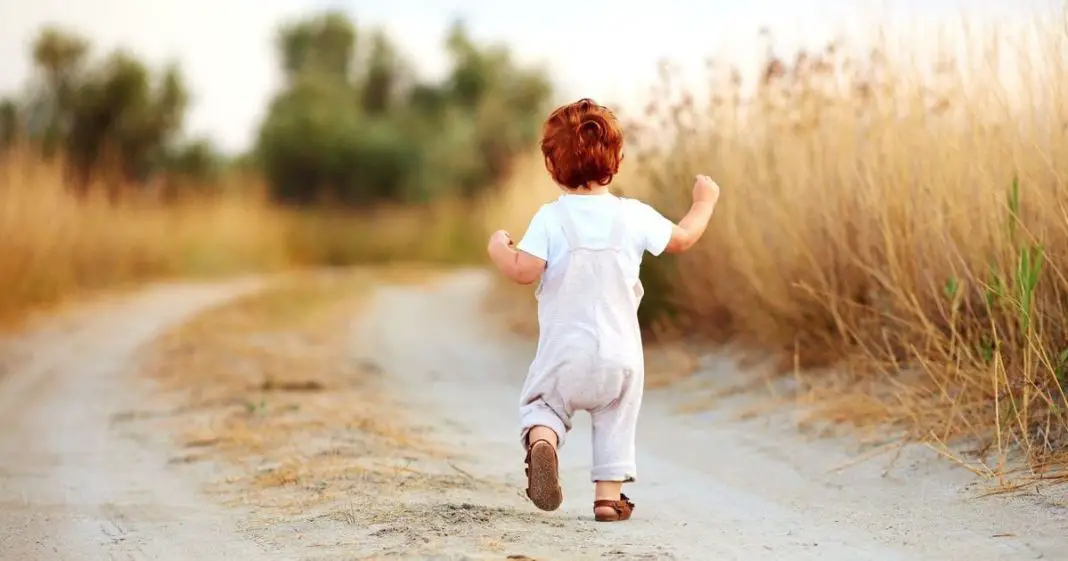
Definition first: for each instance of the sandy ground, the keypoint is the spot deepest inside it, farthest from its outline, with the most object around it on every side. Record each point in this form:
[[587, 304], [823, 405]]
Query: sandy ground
[[75, 484], [71, 487]]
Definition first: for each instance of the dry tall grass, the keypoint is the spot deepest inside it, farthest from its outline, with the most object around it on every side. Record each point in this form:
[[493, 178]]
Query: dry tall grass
[[909, 228], [54, 245], [443, 232], [913, 226]]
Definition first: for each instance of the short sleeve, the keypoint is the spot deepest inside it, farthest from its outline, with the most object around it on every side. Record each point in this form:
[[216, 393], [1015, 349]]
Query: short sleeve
[[536, 239], [655, 229]]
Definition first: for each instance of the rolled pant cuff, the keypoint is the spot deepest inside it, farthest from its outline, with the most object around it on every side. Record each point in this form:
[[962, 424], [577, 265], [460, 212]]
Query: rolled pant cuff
[[536, 418], [625, 473]]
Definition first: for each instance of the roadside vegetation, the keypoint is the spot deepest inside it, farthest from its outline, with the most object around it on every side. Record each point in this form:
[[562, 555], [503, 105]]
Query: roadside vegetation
[[894, 230]]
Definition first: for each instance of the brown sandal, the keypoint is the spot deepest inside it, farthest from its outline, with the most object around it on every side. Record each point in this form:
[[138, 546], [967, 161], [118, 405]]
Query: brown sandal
[[543, 476], [623, 509]]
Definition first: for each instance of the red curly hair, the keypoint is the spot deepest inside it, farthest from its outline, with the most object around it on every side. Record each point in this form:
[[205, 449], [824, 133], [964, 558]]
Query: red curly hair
[[582, 143]]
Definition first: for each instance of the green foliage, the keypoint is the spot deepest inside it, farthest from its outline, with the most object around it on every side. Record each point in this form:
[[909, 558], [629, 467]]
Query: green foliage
[[1008, 294], [115, 117], [123, 121], [321, 45], [59, 56], [1012, 293], [10, 128], [353, 126], [192, 161]]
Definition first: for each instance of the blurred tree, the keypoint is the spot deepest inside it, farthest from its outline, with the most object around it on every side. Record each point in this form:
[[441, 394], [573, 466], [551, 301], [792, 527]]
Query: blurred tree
[[197, 159], [504, 100], [320, 45], [381, 81], [189, 167], [122, 122], [307, 134], [59, 56], [10, 127], [114, 119], [472, 70], [353, 125]]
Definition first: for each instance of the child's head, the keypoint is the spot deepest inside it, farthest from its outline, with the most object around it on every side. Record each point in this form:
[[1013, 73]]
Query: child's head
[[583, 145]]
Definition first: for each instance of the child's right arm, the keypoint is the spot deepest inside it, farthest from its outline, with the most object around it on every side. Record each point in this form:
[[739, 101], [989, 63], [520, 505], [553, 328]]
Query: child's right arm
[[692, 226]]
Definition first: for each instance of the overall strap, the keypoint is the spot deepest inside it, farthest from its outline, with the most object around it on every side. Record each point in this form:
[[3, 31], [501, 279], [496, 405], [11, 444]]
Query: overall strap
[[567, 224]]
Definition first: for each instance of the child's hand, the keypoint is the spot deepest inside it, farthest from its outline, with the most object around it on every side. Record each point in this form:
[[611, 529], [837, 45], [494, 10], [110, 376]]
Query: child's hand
[[501, 237], [705, 190]]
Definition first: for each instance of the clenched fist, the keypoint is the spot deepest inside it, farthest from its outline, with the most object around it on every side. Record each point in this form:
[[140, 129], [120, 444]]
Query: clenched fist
[[501, 237], [705, 190]]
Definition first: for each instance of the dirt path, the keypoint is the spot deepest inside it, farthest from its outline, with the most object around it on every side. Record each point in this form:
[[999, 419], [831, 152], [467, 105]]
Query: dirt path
[[711, 487], [76, 485], [70, 486]]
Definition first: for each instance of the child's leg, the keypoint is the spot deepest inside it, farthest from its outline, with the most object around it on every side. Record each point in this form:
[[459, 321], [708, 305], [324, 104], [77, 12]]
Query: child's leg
[[614, 430], [538, 420], [608, 490], [613, 463], [543, 432]]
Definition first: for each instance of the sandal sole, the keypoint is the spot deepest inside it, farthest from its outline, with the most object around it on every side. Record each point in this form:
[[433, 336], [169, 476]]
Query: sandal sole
[[545, 491], [621, 509], [609, 518]]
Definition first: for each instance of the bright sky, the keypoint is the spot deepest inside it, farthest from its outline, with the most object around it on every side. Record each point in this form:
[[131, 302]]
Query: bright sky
[[603, 49]]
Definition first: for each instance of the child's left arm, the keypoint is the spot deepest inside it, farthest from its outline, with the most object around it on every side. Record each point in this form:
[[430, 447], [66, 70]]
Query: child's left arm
[[519, 266]]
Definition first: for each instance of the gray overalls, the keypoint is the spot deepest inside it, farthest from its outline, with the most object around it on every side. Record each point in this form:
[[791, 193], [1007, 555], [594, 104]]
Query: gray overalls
[[589, 351]]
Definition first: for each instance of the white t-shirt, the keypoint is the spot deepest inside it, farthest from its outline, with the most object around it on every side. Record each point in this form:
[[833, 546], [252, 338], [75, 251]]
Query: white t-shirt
[[645, 229]]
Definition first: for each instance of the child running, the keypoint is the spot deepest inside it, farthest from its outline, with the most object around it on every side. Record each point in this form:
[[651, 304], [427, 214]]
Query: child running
[[586, 248]]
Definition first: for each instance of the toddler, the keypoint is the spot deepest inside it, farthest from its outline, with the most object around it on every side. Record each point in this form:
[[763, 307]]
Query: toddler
[[586, 247]]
